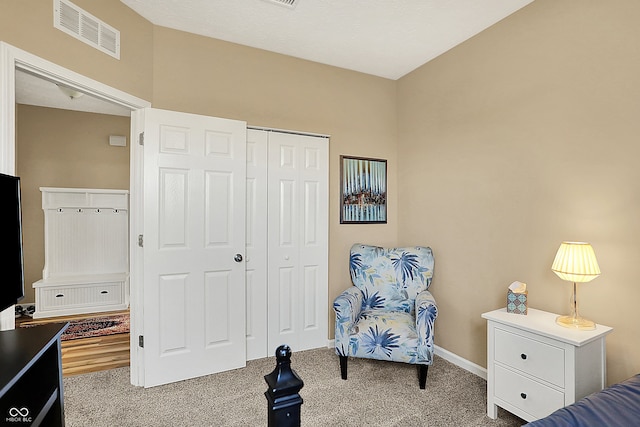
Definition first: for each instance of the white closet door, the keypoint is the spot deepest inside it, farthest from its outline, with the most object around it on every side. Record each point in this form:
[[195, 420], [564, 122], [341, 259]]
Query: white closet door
[[298, 173], [256, 244]]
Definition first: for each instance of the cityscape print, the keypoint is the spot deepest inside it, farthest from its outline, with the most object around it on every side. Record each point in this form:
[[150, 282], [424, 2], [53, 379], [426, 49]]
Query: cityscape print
[[363, 190]]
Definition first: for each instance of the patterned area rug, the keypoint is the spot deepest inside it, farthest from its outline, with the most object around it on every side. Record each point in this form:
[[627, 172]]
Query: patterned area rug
[[94, 327]]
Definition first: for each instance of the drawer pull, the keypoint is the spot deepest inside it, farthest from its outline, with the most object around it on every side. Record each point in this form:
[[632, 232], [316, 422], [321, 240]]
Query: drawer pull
[[104, 292], [59, 295], [523, 395], [523, 356]]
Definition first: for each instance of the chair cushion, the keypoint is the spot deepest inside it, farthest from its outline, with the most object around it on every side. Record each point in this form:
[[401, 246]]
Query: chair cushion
[[384, 335], [390, 278]]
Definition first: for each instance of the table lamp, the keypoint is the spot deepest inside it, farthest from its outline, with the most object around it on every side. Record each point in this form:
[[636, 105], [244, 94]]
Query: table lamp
[[575, 262]]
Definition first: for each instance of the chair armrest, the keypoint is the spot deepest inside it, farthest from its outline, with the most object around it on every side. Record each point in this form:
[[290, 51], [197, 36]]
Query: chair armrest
[[426, 309], [426, 313], [347, 306]]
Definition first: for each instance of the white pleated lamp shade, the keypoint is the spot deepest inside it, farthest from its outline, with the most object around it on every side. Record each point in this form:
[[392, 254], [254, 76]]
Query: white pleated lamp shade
[[576, 262]]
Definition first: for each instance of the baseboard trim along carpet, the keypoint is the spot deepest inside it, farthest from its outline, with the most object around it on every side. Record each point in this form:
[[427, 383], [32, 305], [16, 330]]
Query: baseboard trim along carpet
[[461, 362]]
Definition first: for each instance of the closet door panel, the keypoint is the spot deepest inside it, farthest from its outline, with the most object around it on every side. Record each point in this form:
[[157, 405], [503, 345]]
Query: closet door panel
[[256, 246], [298, 240], [312, 207], [286, 302], [310, 295], [314, 258], [283, 309], [287, 214]]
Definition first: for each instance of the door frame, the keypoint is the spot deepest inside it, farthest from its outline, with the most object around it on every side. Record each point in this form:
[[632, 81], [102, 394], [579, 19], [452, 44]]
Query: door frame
[[12, 58]]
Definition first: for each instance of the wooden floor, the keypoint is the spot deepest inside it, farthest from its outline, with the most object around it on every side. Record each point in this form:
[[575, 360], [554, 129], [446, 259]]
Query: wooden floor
[[84, 355]]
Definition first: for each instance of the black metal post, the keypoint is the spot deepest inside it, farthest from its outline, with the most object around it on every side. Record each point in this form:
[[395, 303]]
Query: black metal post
[[282, 395]]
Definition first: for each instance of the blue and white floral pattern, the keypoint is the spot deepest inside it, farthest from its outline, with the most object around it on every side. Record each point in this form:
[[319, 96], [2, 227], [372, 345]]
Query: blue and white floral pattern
[[389, 314]]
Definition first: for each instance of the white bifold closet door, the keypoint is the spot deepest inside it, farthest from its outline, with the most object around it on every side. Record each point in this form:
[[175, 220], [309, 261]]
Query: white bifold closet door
[[287, 241], [256, 245]]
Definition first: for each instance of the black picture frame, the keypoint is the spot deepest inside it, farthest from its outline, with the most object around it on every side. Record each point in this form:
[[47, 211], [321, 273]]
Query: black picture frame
[[363, 190]]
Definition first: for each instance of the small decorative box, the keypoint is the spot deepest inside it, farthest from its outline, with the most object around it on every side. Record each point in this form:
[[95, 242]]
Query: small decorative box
[[517, 298]]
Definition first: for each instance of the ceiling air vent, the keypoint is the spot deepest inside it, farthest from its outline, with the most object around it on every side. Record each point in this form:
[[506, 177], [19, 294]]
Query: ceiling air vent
[[286, 3], [82, 25]]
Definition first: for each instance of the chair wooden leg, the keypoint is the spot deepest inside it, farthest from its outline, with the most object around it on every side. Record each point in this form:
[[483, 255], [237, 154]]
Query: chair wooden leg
[[422, 375], [343, 367]]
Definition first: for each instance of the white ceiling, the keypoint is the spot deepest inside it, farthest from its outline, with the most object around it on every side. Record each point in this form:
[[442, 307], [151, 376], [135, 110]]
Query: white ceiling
[[35, 90], [386, 38]]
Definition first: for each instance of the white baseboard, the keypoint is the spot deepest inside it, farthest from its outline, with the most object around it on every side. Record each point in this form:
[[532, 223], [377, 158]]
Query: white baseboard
[[461, 362], [449, 357]]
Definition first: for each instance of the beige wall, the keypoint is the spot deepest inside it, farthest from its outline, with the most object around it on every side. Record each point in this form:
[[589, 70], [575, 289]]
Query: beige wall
[[522, 137], [29, 26], [498, 150], [60, 148]]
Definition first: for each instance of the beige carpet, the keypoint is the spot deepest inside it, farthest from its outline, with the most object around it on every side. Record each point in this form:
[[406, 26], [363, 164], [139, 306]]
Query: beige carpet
[[376, 394]]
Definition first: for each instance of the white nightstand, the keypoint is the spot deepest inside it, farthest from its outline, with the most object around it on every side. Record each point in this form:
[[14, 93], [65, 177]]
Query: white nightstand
[[535, 366]]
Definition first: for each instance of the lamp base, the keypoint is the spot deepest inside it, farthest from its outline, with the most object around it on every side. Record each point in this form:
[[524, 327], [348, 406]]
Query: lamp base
[[573, 322]]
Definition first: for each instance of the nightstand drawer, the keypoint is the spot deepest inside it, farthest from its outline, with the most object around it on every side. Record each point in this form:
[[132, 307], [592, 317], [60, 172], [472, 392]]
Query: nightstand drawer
[[525, 394], [533, 357]]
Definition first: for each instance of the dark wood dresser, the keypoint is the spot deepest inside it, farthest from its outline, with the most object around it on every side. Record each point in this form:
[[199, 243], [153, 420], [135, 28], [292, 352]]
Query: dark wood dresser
[[31, 376]]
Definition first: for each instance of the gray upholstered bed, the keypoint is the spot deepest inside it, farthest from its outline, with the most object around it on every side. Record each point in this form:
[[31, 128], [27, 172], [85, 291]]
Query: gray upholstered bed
[[615, 406]]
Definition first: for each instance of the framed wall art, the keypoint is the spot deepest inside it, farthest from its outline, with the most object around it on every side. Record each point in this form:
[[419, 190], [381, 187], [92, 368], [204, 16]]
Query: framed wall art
[[363, 190]]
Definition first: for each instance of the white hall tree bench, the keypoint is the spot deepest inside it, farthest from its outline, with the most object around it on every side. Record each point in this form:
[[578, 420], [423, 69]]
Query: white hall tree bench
[[86, 240]]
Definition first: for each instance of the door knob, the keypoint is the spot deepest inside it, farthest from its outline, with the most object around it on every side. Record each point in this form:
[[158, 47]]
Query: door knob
[[237, 258]]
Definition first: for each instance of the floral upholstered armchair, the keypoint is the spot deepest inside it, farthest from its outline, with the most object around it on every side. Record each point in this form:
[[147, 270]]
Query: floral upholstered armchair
[[389, 314]]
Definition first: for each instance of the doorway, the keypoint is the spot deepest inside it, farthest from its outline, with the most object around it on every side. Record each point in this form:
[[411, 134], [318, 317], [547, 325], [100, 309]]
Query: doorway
[[16, 60]]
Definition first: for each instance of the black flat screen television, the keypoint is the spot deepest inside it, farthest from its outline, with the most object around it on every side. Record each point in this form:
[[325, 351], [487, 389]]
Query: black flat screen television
[[11, 259]]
